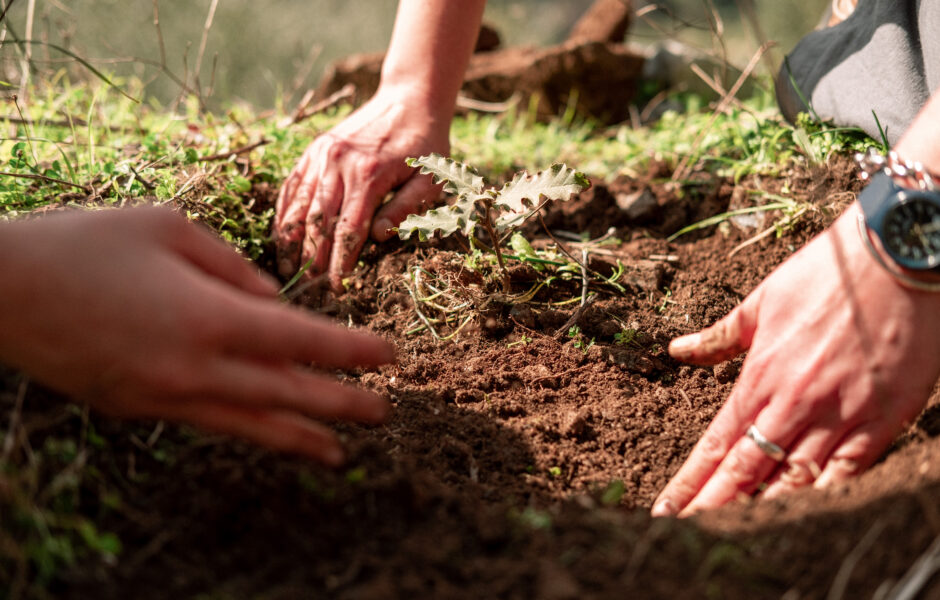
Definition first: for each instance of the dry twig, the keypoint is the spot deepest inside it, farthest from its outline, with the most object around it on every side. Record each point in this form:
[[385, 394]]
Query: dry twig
[[682, 171], [918, 575], [302, 113], [84, 188], [841, 581], [234, 152], [562, 331]]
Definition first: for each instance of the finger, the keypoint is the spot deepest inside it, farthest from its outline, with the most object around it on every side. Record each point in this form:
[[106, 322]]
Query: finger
[[279, 333], [277, 430], [321, 222], [287, 196], [747, 466], [268, 386], [216, 258], [804, 463], [417, 195], [725, 339], [351, 231], [722, 434], [293, 203], [856, 452]]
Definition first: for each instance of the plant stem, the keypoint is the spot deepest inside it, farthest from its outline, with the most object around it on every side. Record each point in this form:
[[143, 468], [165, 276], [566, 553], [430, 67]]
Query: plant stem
[[488, 225]]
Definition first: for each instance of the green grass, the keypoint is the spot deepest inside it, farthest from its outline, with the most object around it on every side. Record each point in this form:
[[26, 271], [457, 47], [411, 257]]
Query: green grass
[[87, 144]]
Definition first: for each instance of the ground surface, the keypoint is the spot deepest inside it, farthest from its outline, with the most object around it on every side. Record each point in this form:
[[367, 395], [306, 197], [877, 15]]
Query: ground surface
[[515, 465]]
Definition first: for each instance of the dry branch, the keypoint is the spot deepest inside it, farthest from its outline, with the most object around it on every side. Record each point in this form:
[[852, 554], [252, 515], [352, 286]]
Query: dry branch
[[235, 151]]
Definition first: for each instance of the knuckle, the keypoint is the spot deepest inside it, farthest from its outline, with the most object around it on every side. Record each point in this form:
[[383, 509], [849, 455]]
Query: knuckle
[[333, 150], [743, 472], [712, 447], [369, 168]]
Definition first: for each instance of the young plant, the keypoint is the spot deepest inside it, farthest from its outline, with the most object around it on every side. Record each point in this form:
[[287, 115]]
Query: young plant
[[498, 211], [627, 337], [581, 342]]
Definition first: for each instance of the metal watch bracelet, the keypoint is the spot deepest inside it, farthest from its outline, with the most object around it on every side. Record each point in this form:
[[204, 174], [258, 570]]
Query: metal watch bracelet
[[899, 169]]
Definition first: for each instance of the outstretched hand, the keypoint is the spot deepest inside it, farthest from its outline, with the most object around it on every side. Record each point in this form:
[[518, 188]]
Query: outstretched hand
[[333, 197], [841, 358], [141, 314]]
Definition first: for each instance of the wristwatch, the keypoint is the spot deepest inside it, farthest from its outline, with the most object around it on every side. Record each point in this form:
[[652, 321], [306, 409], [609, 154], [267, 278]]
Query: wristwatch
[[906, 221]]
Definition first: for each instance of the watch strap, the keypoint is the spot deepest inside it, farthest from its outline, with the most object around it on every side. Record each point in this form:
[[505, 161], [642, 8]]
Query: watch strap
[[874, 199]]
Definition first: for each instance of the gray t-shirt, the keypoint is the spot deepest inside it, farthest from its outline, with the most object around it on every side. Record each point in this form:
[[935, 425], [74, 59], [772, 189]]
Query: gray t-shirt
[[884, 60]]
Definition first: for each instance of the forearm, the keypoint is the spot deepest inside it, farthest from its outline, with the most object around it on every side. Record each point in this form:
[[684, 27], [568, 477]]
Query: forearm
[[18, 279], [431, 45], [921, 141]]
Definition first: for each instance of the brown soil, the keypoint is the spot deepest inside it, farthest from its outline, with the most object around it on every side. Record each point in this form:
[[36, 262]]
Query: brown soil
[[497, 474]]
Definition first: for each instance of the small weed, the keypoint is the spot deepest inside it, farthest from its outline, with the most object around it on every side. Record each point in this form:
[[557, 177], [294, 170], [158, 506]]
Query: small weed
[[532, 518], [356, 475], [554, 472], [523, 341], [667, 300], [627, 337], [613, 493], [580, 340]]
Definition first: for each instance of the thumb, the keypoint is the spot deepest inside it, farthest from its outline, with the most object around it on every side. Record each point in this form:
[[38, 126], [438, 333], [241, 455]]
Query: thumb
[[725, 339], [415, 196]]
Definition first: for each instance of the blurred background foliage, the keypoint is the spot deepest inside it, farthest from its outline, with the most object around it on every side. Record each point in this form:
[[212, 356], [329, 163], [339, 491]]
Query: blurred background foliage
[[268, 53]]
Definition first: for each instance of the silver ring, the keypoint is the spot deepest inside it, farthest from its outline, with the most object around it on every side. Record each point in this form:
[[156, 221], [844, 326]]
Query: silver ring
[[770, 449]]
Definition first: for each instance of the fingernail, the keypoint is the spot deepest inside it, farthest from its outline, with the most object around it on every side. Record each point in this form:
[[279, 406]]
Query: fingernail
[[382, 227], [664, 508], [685, 345]]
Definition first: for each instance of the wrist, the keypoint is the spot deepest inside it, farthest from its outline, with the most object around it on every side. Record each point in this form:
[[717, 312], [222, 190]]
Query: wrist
[[896, 223], [420, 99]]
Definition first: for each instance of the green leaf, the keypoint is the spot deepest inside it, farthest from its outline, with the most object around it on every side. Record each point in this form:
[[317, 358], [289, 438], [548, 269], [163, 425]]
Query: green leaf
[[104, 543], [558, 182], [458, 178], [240, 185], [613, 493], [523, 248], [459, 216]]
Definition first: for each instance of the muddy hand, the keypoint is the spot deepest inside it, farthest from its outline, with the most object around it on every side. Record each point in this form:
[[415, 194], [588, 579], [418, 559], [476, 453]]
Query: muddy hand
[[143, 315], [326, 206], [840, 358]]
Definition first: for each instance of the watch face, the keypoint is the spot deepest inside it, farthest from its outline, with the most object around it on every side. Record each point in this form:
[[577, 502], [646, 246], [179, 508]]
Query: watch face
[[912, 232]]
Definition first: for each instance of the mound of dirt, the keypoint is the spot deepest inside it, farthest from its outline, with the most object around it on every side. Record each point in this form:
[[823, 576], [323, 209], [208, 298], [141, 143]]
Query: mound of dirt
[[517, 464], [593, 72]]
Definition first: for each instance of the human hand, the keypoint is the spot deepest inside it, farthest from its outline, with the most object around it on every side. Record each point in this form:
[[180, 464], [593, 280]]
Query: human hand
[[326, 206], [841, 358], [143, 315]]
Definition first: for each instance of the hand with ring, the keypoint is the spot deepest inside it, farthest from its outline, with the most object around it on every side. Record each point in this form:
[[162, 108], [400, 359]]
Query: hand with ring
[[841, 358]]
